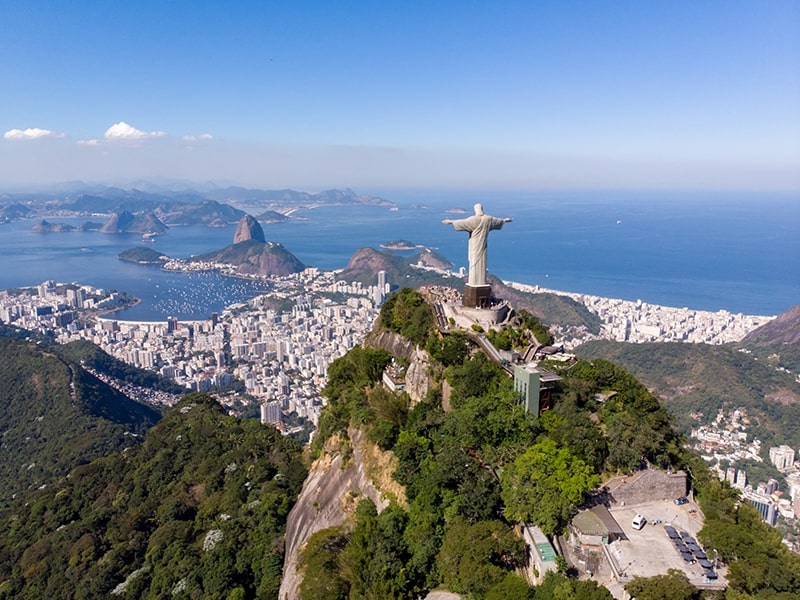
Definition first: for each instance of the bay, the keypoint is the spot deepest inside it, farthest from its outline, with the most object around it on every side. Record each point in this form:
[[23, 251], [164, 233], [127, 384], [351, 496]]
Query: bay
[[705, 251]]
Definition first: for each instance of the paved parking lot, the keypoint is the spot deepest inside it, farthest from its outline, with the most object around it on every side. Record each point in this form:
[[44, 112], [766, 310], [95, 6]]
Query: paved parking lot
[[650, 552]]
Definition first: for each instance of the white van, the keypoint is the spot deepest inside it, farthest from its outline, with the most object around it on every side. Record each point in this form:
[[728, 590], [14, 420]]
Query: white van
[[638, 522]]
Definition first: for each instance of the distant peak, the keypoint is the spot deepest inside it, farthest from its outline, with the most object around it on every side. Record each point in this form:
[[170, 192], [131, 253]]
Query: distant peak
[[248, 229]]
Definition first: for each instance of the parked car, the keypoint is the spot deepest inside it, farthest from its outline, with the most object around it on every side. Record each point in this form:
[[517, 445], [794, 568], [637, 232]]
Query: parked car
[[681, 501], [638, 522]]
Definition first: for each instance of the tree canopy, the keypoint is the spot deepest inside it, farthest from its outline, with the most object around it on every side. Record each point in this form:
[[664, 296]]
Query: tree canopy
[[408, 313], [200, 506], [544, 484]]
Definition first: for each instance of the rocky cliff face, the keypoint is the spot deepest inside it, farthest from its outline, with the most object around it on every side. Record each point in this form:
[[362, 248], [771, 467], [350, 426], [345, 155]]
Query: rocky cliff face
[[394, 343], [418, 380], [351, 468], [336, 482], [248, 229]]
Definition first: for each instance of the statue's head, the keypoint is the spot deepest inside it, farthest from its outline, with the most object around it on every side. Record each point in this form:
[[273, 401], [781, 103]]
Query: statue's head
[[479, 209]]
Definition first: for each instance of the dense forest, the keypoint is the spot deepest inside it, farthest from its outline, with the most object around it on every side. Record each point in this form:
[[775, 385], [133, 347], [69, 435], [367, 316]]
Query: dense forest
[[92, 356], [54, 415], [698, 378], [196, 511], [473, 471]]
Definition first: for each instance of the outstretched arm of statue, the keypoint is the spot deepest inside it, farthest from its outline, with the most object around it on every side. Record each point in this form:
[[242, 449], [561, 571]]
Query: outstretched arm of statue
[[447, 221], [507, 220]]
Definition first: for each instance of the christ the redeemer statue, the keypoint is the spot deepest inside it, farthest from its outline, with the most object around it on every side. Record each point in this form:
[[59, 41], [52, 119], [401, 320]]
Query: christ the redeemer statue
[[478, 225]]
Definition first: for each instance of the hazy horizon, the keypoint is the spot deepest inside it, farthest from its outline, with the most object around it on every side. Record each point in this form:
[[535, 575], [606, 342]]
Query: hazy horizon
[[308, 95]]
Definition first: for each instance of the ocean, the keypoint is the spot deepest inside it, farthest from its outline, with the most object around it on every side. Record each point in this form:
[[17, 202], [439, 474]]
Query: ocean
[[704, 251]]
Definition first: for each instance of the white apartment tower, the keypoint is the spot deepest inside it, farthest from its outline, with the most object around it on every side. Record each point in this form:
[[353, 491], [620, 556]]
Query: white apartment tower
[[782, 457], [271, 412]]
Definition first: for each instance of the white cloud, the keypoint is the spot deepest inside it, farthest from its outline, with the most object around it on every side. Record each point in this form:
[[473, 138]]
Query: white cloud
[[32, 133], [92, 142], [195, 138], [123, 131]]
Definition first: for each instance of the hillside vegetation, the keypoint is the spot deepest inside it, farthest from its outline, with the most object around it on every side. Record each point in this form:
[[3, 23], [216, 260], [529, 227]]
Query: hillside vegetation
[[94, 357], [54, 416], [196, 511], [474, 470], [694, 378], [777, 342], [142, 255], [554, 310], [252, 257], [198, 508]]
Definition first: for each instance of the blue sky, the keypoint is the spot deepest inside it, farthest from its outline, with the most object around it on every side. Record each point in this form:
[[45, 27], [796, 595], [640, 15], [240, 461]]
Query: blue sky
[[378, 95]]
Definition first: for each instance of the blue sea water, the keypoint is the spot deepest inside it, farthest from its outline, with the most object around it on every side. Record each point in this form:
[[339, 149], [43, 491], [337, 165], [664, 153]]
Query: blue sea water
[[705, 251]]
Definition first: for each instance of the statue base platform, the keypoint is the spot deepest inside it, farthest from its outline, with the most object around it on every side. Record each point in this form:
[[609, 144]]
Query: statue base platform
[[477, 296], [465, 316]]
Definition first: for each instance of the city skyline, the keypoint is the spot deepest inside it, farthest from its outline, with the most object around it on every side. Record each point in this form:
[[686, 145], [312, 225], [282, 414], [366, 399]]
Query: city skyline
[[457, 95]]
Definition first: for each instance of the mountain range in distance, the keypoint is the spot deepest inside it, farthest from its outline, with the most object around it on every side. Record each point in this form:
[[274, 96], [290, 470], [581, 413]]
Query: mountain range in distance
[[216, 207]]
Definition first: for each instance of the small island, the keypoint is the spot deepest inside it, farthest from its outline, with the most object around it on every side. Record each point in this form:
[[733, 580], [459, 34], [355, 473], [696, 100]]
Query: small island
[[45, 226], [143, 256], [272, 216], [400, 245], [456, 211]]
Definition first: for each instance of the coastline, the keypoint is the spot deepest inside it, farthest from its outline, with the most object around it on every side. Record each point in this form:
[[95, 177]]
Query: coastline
[[623, 320], [641, 322], [578, 296]]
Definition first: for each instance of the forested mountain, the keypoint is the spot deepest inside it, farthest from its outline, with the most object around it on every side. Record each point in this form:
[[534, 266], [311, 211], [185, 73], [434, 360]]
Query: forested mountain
[[554, 310], [124, 222], [173, 208], [95, 358], [199, 509], [143, 256], [196, 511], [778, 342], [54, 415], [693, 378], [366, 262], [471, 470]]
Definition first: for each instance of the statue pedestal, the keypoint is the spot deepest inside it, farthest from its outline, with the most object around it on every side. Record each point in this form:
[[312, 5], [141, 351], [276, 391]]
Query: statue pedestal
[[477, 296]]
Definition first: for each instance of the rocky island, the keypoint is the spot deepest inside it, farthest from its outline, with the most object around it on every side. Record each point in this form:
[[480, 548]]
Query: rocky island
[[400, 245], [143, 256], [272, 216]]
